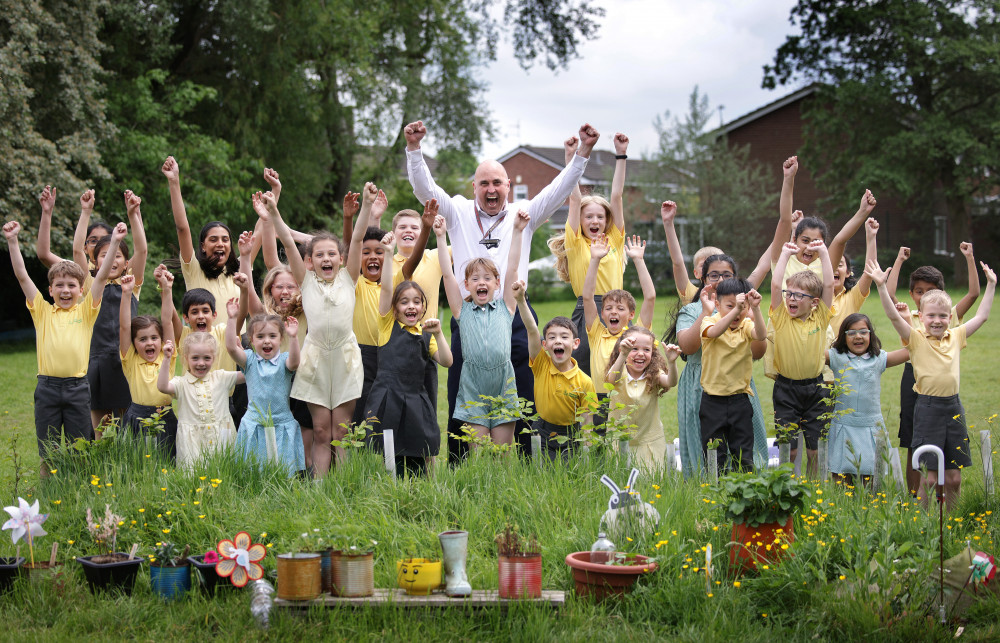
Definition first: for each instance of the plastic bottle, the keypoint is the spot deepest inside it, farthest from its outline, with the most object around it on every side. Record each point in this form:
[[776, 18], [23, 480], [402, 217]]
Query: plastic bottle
[[602, 550]]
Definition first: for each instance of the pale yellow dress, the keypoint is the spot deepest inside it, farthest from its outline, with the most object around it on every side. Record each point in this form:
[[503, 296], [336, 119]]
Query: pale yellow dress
[[648, 446], [203, 420], [330, 371]]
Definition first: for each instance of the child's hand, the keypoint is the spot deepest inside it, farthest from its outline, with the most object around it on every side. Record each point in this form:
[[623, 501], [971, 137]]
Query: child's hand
[[128, 284], [635, 247], [387, 242], [817, 246], [797, 215], [790, 166], [904, 253], [668, 210], [871, 227], [379, 207], [233, 305], [292, 326], [873, 270], [87, 201], [368, 193], [432, 325], [163, 277], [414, 133], [351, 205], [522, 220], [754, 299], [517, 289], [170, 169], [600, 248], [272, 179], [132, 203], [10, 230], [270, 203], [168, 348], [621, 143], [245, 243], [120, 232], [241, 280], [569, 147], [966, 249], [628, 343], [789, 249], [672, 352], [440, 228], [708, 299], [259, 207], [867, 202], [741, 301], [991, 276], [903, 309], [47, 199], [430, 214]]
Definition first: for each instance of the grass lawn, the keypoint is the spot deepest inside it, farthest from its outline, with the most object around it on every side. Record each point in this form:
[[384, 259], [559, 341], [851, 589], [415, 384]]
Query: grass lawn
[[827, 590]]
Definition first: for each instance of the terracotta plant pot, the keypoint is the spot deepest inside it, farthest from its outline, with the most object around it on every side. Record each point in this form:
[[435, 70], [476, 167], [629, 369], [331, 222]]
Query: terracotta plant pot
[[170, 583], [759, 545], [520, 576], [299, 576], [10, 569], [353, 575], [207, 578], [110, 572], [418, 576], [601, 580]]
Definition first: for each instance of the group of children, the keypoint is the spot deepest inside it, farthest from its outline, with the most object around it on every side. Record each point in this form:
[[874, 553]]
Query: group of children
[[372, 341]]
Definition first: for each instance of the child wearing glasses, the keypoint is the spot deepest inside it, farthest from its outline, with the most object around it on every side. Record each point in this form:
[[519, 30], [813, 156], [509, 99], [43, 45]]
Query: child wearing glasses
[[800, 313], [857, 361]]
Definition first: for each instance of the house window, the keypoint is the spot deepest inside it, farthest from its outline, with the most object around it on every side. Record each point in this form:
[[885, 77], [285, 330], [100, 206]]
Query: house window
[[941, 236], [691, 235], [520, 192]]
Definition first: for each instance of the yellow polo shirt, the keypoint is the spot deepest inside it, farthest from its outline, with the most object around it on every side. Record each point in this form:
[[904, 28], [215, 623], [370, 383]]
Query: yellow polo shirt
[[223, 360], [846, 303], [427, 275], [687, 295], [223, 288], [62, 336], [602, 343], [141, 376], [385, 331], [916, 324], [611, 268], [366, 316], [800, 344], [558, 395], [794, 266], [726, 360], [936, 361]]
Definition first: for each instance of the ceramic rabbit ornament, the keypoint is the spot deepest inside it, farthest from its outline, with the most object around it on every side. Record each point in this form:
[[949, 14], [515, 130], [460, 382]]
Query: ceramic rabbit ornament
[[626, 510]]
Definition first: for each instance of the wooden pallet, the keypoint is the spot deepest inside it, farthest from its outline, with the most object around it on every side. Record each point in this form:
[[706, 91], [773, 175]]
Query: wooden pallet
[[398, 598]]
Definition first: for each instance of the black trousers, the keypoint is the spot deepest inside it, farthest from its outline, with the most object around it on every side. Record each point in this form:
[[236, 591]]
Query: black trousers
[[523, 378], [728, 418]]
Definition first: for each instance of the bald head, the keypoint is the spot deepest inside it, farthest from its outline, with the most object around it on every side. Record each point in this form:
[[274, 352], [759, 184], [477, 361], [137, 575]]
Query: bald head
[[491, 186]]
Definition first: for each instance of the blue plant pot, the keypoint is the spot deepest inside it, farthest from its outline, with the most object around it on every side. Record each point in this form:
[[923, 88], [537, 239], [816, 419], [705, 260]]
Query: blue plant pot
[[170, 582]]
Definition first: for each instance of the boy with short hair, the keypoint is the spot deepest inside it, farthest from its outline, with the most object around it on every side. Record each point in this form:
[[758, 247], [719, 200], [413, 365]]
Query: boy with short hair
[[561, 388], [62, 334], [726, 372], [935, 345], [800, 314], [923, 280]]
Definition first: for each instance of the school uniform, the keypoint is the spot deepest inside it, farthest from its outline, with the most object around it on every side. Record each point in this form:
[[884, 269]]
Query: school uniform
[[108, 388], [367, 294], [610, 276], [141, 376], [427, 275], [558, 398], [907, 395]]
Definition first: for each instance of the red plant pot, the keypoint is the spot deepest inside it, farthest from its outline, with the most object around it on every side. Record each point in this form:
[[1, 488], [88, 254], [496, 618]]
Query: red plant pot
[[761, 545], [520, 576], [600, 580]]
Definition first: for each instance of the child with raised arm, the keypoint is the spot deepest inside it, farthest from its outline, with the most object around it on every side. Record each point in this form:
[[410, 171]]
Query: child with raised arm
[[938, 416], [923, 280], [83, 250], [726, 372], [641, 375], [140, 344], [592, 217], [800, 314], [617, 308], [399, 399], [484, 323], [62, 336], [267, 432], [561, 388], [685, 289], [330, 376]]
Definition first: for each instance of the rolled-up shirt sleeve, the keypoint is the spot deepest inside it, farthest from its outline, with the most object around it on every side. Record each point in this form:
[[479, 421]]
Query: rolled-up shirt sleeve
[[555, 193]]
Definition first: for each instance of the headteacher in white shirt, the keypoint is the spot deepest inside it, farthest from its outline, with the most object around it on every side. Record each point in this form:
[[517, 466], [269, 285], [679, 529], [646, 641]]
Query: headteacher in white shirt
[[481, 228]]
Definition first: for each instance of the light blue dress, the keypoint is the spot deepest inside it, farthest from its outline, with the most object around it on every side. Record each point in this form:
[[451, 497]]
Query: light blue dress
[[689, 404], [861, 376], [268, 388], [486, 366]]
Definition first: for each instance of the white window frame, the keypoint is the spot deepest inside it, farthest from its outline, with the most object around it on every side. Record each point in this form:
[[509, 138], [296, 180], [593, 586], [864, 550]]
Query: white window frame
[[941, 236], [520, 192], [684, 226]]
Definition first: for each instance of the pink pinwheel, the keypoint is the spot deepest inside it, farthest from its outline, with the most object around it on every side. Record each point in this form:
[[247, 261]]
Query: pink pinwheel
[[25, 519], [240, 559]]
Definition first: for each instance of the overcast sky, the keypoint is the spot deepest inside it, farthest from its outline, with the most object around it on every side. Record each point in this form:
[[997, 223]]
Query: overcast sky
[[648, 57]]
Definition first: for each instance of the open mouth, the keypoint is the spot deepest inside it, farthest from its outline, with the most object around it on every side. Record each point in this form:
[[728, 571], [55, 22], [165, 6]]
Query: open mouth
[[408, 237], [411, 317], [150, 353], [613, 321], [219, 256], [326, 269], [492, 201], [595, 230], [807, 257], [201, 326], [793, 309], [559, 352], [373, 267], [482, 292]]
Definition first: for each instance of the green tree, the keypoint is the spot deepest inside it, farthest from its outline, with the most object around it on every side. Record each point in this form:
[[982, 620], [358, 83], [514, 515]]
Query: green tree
[[716, 185], [910, 100]]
